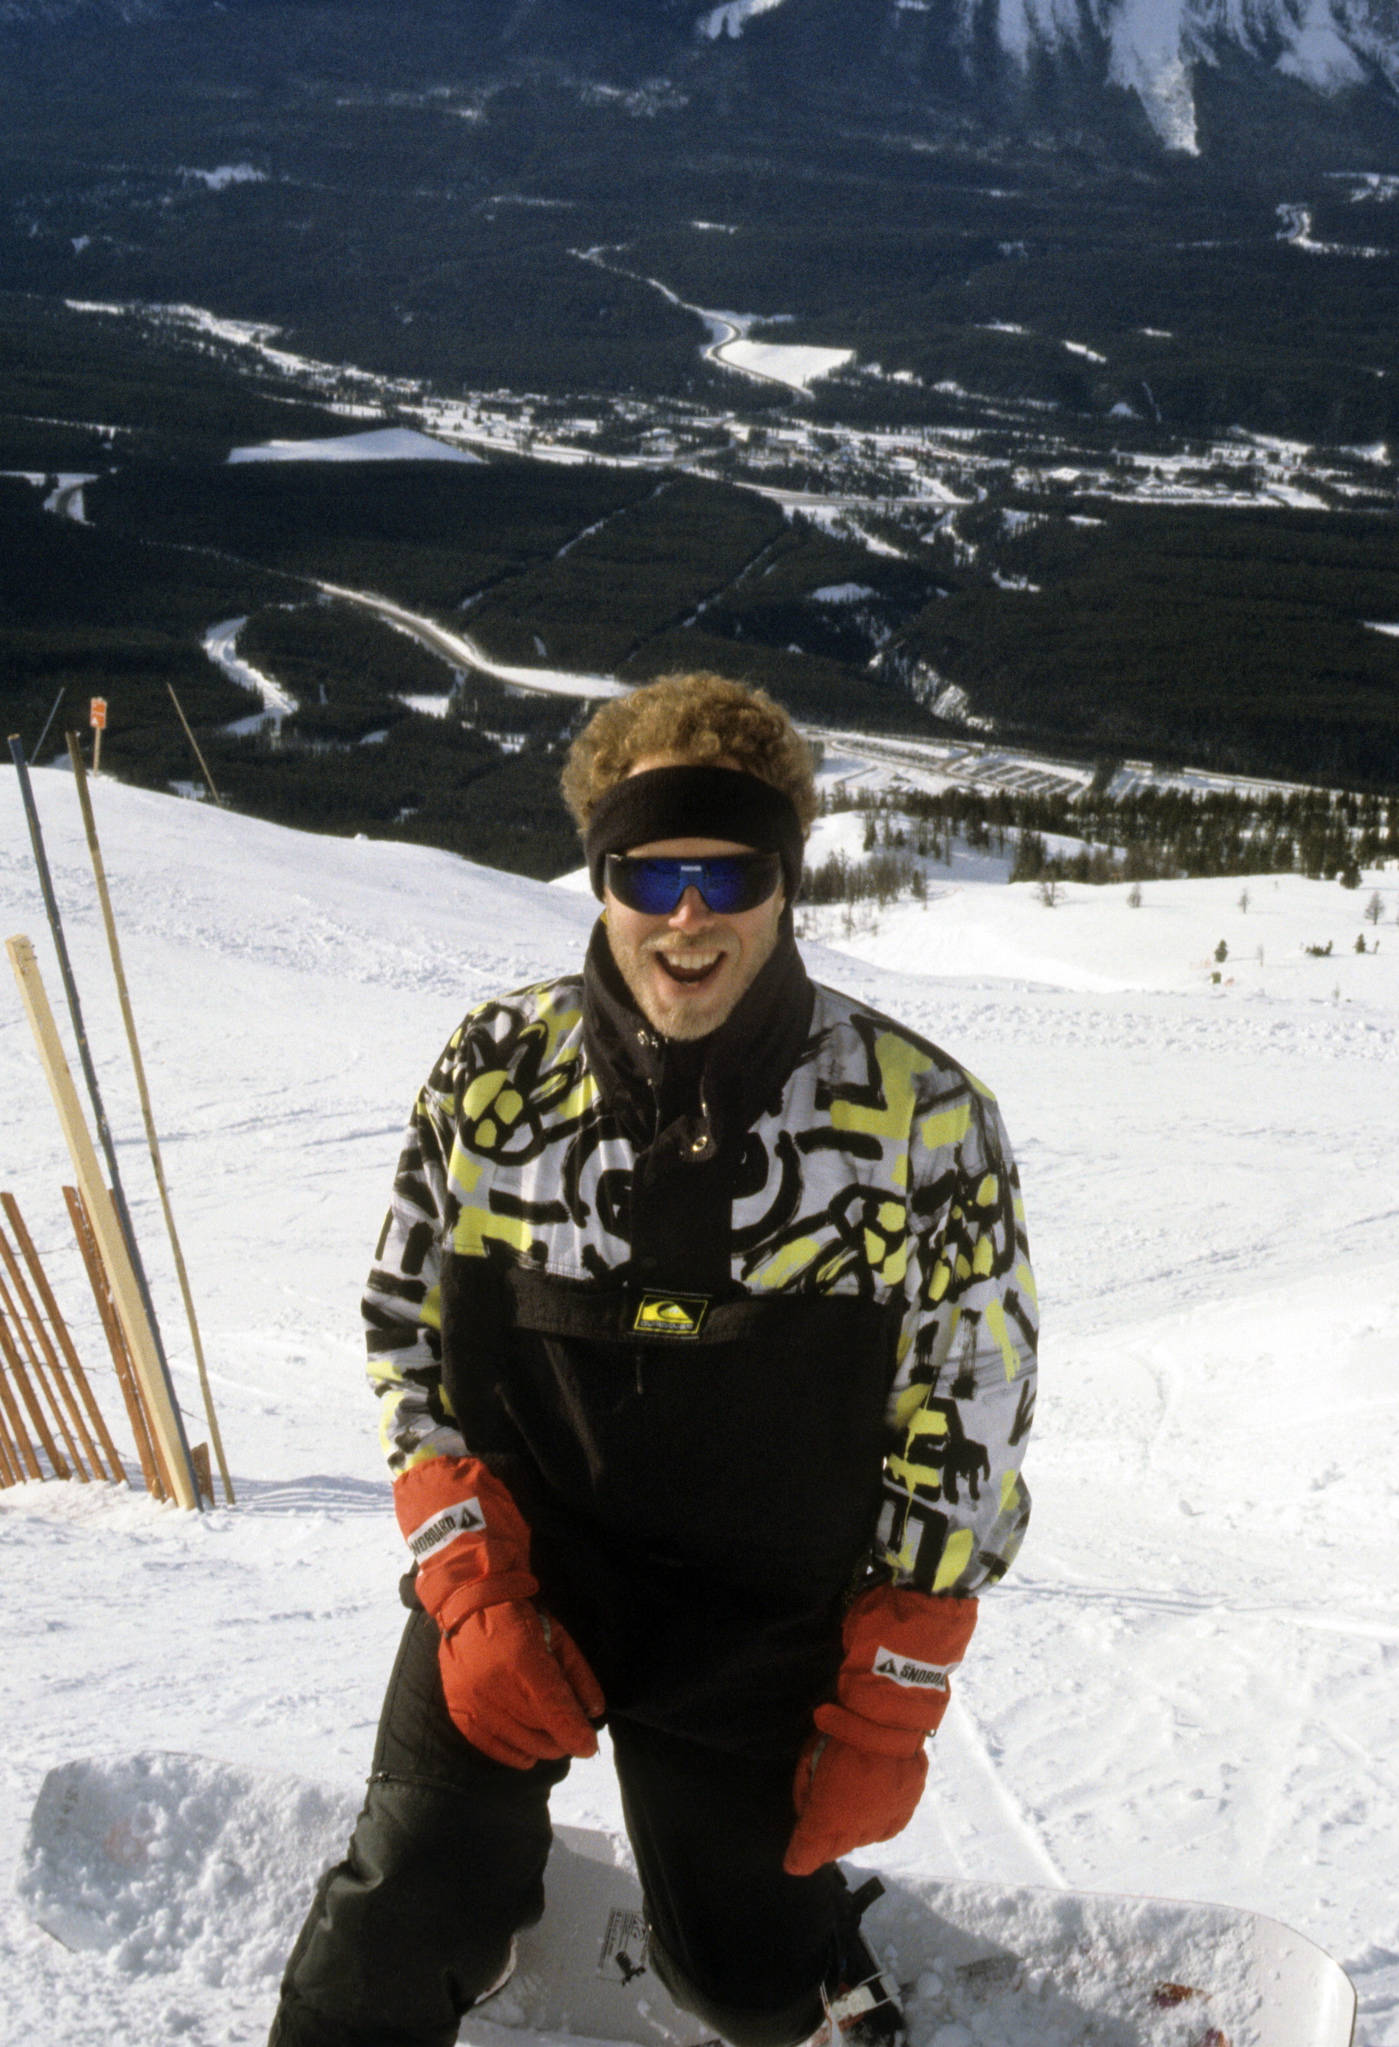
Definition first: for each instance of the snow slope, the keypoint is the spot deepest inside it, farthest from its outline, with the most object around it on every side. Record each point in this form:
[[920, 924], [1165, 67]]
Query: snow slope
[[1188, 1684], [376, 444], [784, 362]]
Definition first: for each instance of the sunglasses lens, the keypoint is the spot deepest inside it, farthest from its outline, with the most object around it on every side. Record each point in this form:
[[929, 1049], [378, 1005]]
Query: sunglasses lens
[[728, 884], [652, 886], [740, 883]]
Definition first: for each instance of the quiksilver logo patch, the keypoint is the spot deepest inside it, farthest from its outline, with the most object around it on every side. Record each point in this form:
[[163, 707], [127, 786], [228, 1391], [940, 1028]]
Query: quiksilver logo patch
[[463, 1517], [907, 1670], [670, 1314]]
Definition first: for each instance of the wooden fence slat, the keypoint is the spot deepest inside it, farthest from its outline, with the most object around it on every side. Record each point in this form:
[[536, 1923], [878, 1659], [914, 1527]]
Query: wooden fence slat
[[10, 1469], [29, 1463], [34, 1369], [44, 1363], [26, 1391], [65, 1342], [116, 1343]]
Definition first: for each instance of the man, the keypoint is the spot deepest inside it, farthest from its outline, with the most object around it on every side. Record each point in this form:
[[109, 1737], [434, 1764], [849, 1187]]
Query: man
[[704, 1333]]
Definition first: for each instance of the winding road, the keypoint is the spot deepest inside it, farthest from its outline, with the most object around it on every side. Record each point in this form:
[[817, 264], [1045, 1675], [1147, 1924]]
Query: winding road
[[464, 652]]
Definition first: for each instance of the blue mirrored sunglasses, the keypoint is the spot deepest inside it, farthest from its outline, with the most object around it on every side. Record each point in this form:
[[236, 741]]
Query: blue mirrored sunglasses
[[728, 883]]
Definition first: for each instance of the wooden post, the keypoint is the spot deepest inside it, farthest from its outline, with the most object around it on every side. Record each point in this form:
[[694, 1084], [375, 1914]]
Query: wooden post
[[200, 1454], [116, 1343], [165, 1426], [131, 1263], [99, 871], [47, 722], [213, 790], [65, 1342]]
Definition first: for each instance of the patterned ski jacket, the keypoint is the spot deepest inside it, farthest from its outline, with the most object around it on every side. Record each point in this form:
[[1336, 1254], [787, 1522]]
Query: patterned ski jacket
[[741, 1327]]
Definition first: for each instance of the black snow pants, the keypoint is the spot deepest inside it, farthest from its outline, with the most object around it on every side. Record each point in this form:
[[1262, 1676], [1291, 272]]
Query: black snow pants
[[448, 1857]]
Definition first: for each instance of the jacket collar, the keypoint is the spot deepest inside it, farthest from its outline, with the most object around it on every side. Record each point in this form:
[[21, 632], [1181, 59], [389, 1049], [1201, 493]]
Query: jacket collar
[[700, 1095]]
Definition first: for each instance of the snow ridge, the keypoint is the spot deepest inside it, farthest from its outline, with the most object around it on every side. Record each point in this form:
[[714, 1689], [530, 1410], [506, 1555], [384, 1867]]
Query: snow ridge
[[1153, 46]]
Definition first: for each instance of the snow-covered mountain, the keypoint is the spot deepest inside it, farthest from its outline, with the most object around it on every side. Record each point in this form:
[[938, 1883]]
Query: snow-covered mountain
[[1150, 47], [1062, 65]]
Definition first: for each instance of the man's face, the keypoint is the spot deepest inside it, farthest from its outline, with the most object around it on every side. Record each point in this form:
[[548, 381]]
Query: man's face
[[687, 971]]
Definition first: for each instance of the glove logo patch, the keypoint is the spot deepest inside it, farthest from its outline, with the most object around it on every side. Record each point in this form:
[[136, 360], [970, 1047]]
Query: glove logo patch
[[670, 1315], [907, 1670], [463, 1517]]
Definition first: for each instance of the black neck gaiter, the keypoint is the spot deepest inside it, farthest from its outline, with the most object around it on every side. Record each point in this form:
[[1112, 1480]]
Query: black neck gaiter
[[704, 1092]]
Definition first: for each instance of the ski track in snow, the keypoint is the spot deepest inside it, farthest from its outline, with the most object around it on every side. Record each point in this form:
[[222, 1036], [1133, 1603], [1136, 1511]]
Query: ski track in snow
[[1188, 1685]]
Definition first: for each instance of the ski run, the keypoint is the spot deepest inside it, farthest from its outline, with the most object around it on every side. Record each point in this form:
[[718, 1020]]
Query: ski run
[[1186, 1688]]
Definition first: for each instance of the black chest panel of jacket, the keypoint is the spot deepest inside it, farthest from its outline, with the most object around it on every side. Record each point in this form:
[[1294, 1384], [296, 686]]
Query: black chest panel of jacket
[[700, 1467], [698, 1504]]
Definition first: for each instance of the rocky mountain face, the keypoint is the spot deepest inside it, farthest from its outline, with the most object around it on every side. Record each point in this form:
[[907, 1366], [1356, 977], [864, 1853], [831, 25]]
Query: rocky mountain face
[[1181, 75], [1054, 50]]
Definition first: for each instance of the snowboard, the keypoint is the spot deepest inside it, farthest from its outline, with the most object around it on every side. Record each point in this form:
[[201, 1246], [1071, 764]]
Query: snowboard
[[172, 1862]]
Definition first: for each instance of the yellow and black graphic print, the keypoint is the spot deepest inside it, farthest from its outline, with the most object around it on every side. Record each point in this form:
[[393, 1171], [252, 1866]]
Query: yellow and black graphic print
[[521, 1096], [883, 1173], [857, 1243]]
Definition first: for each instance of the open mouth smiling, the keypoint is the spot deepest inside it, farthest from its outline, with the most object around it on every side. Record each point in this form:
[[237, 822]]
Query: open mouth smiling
[[692, 971]]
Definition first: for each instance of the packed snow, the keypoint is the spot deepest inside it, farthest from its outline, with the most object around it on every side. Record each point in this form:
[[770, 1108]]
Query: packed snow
[[783, 362], [65, 500], [1185, 1688], [793, 364], [224, 175], [729, 19], [431, 707], [161, 1857], [1297, 229], [377, 444], [220, 643]]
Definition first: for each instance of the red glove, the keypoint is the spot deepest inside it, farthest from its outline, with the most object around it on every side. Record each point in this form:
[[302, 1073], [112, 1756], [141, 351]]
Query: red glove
[[861, 1774], [515, 1683], [518, 1687]]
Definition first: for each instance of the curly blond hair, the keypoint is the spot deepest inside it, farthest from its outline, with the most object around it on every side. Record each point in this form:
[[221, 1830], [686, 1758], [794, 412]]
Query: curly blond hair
[[693, 719]]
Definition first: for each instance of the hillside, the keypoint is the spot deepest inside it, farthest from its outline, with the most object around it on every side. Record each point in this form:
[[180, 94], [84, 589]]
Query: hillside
[[173, 493], [1063, 334], [1185, 1687]]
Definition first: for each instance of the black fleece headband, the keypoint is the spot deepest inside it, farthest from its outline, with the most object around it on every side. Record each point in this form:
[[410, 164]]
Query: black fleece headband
[[695, 803]]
